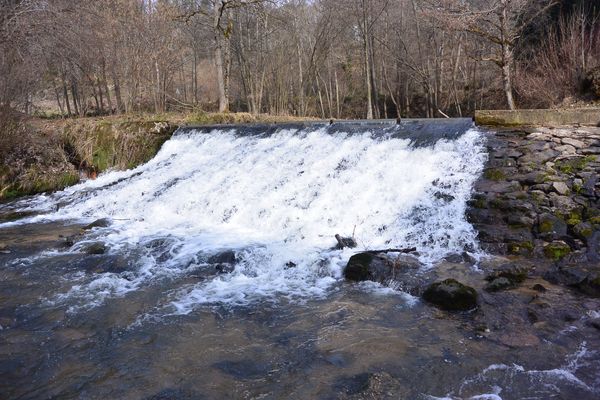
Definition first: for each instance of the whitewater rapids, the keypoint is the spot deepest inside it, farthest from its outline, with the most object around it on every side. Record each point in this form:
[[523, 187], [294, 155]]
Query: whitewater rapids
[[274, 200]]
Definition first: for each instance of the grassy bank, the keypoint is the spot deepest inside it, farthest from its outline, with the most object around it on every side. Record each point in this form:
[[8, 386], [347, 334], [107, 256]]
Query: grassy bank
[[44, 154]]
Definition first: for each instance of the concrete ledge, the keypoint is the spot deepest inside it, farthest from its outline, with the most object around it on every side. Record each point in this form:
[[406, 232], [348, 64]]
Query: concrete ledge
[[576, 116]]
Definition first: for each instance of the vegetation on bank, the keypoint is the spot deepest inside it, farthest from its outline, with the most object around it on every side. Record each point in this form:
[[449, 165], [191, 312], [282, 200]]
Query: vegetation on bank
[[48, 154]]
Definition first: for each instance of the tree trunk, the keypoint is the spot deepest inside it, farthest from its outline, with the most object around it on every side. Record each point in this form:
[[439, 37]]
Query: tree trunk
[[367, 66], [507, 57], [223, 100]]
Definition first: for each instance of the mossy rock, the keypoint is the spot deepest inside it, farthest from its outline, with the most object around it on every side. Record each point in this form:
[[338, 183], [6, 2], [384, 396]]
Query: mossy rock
[[494, 174], [521, 248], [583, 230], [573, 165], [451, 295], [557, 250]]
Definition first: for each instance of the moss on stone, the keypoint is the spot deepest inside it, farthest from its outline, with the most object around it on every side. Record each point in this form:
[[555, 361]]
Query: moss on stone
[[573, 165], [494, 174], [556, 250], [521, 247]]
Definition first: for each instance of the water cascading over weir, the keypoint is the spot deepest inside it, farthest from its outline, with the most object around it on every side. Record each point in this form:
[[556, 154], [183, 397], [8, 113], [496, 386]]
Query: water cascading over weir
[[251, 211]]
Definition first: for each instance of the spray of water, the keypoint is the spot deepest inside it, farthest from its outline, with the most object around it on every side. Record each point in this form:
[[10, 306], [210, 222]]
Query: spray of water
[[276, 201]]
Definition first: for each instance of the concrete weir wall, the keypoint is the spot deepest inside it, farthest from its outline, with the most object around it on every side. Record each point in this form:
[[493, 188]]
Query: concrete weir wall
[[539, 198]]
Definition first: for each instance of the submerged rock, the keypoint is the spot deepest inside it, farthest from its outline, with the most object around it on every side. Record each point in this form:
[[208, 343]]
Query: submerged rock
[[225, 257], [451, 295], [224, 261], [4, 249], [99, 223], [95, 248]]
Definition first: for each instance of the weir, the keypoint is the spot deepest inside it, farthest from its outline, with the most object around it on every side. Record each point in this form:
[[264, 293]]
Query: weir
[[272, 196], [420, 131]]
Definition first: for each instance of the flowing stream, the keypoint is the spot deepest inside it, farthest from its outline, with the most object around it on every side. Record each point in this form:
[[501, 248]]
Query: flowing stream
[[214, 271]]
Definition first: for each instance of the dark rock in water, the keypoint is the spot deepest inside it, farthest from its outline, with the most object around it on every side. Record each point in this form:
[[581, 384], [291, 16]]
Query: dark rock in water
[[595, 322], [370, 266], [225, 261], [343, 242], [99, 223], [224, 268], [95, 248], [225, 257], [463, 257], [361, 267], [4, 249], [451, 295], [290, 264], [513, 273], [539, 288], [497, 284]]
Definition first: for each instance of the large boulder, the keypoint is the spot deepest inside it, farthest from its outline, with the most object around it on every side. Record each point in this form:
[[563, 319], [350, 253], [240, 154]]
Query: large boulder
[[379, 267], [451, 295]]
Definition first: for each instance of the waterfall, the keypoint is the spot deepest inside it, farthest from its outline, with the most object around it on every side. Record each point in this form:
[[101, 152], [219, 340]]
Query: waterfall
[[275, 197]]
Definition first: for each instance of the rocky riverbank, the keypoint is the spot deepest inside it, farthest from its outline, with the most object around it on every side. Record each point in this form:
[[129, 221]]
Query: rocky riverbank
[[539, 198], [537, 212]]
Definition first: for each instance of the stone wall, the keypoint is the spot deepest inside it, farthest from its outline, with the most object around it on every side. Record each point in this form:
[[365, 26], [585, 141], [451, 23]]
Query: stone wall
[[540, 193]]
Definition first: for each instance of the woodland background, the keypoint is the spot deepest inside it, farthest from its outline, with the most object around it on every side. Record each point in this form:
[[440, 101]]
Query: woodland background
[[317, 58]]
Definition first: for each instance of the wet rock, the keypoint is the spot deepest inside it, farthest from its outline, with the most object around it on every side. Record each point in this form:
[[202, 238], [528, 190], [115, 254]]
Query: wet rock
[[539, 288], [224, 261], [451, 295], [290, 264], [95, 248], [498, 284], [99, 223], [514, 273], [378, 267], [463, 257], [595, 323], [225, 257], [4, 249]]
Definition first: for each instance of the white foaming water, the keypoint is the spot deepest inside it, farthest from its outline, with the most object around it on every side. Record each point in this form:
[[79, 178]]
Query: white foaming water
[[273, 200]]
